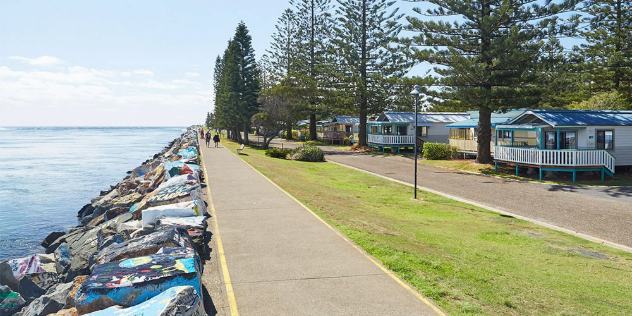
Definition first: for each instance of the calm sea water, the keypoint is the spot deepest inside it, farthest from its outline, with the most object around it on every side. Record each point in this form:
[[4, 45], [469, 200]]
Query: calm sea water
[[48, 173]]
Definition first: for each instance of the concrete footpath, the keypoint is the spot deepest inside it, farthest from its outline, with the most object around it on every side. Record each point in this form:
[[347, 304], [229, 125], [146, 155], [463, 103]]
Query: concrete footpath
[[281, 259]]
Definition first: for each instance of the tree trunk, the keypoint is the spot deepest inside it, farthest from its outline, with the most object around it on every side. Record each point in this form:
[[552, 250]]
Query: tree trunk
[[363, 81], [288, 135], [312, 126], [484, 134], [246, 130]]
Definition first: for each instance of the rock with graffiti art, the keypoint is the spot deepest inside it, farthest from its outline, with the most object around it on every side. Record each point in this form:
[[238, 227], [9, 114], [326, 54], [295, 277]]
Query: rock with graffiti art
[[183, 192], [11, 270], [133, 281], [183, 209], [146, 245], [51, 302], [178, 300], [10, 302], [34, 285]]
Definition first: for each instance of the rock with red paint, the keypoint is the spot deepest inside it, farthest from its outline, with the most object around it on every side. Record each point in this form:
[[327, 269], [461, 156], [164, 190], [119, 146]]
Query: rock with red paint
[[11, 270]]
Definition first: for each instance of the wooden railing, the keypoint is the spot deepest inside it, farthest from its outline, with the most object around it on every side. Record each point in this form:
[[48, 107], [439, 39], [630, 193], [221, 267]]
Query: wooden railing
[[391, 139], [556, 157], [335, 134]]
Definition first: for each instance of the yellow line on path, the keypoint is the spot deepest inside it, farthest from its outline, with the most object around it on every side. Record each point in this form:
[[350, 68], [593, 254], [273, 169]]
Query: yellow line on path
[[220, 249], [364, 253]]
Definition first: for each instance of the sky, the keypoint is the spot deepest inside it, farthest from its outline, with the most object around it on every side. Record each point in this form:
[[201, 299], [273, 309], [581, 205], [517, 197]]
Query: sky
[[118, 63]]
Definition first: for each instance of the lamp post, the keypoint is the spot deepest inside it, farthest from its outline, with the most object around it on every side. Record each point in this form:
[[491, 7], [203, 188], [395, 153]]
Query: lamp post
[[416, 92]]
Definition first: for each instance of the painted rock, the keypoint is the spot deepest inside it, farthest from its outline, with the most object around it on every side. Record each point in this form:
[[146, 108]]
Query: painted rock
[[10, 302], [133, 281], [11, 270], [184, 192], [34, 285], [146, 245], [183, 209], [51, 302], [178, 300]]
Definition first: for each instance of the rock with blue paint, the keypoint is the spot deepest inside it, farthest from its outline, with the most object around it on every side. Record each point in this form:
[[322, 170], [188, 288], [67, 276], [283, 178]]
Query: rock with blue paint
[[146, 245], [183, 209], [178, 300], [133, 281]]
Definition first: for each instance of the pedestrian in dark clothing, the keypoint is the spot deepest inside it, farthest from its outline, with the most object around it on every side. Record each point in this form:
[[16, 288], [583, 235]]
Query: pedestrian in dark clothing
[[216, 140], [208, 139], [202, 133]]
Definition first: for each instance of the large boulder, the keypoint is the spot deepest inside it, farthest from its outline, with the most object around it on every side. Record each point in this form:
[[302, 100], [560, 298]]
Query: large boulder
[[34, 285], [11, 270], [146, 245], [183, 209], [183, 192], [51, 302], [133, 281], [51, 238], [178, 300], [10, 302], [76, 284]]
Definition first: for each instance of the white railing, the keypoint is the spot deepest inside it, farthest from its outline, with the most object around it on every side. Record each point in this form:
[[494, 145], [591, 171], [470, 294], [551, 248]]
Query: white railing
[[392, 139], [556, 157]]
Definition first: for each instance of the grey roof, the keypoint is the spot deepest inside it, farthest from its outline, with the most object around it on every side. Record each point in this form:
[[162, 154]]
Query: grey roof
[[575, 118], [346, 120], [429, 117]]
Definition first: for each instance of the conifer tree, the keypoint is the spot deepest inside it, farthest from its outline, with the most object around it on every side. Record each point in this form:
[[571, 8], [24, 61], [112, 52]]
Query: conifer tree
[[488, 53], [315, 23], [285, 46], [369, 64], [608, 52]]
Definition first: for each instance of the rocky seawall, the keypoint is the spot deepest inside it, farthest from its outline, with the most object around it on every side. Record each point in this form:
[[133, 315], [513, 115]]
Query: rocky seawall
[[138, 250]]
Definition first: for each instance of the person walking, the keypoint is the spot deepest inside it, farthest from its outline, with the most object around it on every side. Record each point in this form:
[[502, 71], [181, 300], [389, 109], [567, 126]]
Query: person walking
[[216, 140], [201, 133], [208, 139]]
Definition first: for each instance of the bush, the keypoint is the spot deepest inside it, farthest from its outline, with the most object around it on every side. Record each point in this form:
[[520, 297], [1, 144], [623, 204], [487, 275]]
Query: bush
[[277, 153], [311, 153], [438, 151]]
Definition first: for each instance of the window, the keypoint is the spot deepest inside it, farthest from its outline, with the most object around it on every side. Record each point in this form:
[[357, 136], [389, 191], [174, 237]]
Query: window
[[387, 129], [422, 131], [374, 129], [605, 139], [401, 130]]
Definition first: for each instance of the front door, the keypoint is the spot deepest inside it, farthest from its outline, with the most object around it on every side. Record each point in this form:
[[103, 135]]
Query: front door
[[550, 140], [568, 140]]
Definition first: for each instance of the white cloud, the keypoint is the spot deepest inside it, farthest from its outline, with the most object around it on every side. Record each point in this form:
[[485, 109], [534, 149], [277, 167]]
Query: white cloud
[[79, 96], [144, 72], [185, 82], [192, 74], [39, 61]]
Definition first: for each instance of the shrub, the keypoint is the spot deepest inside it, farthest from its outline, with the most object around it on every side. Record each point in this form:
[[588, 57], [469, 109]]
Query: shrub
[[438, 151], [277, 153], [311, 153]]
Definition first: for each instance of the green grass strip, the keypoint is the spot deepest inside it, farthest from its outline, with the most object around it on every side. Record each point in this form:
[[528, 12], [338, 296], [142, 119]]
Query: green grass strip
[[469, 260]]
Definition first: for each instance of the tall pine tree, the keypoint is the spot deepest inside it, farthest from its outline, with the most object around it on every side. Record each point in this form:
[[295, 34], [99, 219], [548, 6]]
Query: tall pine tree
[[607, 55], [315, 22], [369, 63], [237, 85], [488, 53]]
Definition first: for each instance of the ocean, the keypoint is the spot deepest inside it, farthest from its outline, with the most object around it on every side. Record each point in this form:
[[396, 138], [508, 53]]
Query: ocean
[[48, 173]]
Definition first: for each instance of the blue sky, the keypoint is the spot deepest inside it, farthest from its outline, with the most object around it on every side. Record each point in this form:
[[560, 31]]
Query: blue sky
[[111, 63]]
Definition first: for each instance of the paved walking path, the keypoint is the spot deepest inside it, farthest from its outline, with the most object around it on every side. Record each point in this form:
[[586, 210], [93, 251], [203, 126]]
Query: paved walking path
[[284, 260]]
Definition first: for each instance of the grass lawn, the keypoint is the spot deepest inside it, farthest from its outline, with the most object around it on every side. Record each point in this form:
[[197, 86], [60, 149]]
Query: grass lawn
[[468, 260], [505, 171]]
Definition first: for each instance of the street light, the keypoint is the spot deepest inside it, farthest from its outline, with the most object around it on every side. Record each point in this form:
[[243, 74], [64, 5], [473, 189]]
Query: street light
[[416, 92]]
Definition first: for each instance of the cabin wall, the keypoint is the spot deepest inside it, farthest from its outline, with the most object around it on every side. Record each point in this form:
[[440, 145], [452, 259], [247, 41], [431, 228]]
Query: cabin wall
[[622, 142], [437, 133]]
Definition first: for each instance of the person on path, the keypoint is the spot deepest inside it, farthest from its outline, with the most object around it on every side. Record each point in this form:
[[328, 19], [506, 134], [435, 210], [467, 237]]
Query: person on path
[[208, 139], [201, 133], [216, 140]]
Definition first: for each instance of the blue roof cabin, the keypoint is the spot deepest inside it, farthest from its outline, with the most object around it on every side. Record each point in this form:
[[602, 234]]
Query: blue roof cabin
[[566, 140], [341, 128], [397, 129], [463, 134]]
